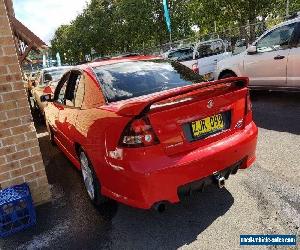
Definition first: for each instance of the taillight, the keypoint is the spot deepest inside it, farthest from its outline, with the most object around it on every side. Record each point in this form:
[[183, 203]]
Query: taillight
[[138, 133], [195, 68], [248, 103]]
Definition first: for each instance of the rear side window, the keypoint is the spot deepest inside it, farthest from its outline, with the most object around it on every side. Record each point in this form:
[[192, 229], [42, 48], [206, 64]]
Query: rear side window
[[212, 48], [181, 55], [92, 93], [121, 81]]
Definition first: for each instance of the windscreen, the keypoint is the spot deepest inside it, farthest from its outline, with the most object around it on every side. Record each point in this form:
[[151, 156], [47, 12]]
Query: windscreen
[[121, 81]]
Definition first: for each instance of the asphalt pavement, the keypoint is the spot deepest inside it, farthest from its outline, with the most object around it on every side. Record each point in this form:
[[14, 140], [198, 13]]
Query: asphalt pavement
[[264, 199]]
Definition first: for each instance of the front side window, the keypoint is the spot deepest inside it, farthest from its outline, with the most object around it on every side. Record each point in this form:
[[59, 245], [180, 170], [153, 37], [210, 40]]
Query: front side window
[[130, 79], [61, 94], [60, 91], [276, 39], [68, 88], [297, 37], [52, 75], [71, 89]]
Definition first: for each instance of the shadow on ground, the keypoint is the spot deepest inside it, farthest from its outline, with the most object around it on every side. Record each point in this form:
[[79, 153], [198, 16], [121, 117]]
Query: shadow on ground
[[277, 111], [71, 222]]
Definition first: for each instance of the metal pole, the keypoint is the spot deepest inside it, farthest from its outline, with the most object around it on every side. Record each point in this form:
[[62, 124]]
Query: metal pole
[[287, 7], [215, 26]]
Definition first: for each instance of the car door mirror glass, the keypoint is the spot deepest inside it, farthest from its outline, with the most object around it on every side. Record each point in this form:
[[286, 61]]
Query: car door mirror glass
[[46, 98]]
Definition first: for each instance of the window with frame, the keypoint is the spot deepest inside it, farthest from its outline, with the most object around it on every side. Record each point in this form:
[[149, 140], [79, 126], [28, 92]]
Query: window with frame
[[211, 48], [181, 55], [61, 90], [71, 88], [297, 36], [277, 39]]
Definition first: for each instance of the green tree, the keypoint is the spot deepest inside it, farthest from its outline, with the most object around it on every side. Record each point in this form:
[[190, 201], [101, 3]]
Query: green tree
[[116, 26]]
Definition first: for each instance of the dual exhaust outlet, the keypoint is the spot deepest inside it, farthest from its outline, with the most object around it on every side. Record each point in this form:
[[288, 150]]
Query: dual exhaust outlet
[[218, 178]]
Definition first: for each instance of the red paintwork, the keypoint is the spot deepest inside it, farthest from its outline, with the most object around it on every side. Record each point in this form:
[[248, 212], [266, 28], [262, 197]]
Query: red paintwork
[[143, 176], [48, 90]]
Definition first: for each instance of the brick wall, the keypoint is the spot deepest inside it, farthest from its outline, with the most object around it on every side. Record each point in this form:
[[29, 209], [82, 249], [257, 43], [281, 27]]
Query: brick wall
[[20, 156]]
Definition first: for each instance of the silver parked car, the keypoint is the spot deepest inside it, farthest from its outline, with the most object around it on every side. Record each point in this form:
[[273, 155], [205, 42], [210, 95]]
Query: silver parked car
[[272, 62]]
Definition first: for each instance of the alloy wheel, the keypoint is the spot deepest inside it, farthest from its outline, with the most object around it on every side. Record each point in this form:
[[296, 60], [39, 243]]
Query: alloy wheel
[[87, 175]]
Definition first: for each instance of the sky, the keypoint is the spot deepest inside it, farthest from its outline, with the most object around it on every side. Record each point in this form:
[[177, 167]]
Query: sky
[[43, 16]]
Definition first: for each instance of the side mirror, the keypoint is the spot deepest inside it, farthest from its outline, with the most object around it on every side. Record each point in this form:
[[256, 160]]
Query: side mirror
[[46, 98], [252, 50]]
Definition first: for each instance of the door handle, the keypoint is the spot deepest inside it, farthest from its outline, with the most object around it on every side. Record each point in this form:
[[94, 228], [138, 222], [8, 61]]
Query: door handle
[[279, 57]]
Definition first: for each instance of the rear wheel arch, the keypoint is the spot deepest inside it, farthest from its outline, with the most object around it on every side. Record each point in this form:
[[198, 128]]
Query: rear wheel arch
[[98, 198], [227, 73]]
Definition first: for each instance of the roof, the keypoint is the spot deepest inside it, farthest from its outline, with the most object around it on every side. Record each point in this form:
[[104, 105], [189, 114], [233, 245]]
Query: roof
[[120, 59], [57, 68], [290, 21]]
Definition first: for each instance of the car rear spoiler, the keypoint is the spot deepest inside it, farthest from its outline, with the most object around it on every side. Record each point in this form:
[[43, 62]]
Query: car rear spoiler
[[136, 106]]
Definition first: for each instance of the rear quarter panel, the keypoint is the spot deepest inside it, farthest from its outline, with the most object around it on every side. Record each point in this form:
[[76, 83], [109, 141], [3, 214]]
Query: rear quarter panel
[[98, 133]]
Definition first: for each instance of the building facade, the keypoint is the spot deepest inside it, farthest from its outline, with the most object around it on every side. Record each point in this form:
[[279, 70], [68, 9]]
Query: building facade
[[20, 156]]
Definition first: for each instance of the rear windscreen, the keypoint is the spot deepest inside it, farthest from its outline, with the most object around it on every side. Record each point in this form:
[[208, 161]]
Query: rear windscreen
[[129, 79]]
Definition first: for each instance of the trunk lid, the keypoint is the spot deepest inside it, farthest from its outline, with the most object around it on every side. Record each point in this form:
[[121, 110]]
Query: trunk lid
[[172, 113]]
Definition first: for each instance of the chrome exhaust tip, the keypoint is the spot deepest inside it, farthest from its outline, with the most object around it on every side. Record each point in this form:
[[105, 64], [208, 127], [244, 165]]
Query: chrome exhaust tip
[[159, 207], [220, 180]]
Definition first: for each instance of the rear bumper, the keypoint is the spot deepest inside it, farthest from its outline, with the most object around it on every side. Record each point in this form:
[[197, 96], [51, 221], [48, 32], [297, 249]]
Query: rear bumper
[[146, 179]]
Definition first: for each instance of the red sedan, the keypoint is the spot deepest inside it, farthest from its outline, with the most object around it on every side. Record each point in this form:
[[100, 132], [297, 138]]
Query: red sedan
[[146, 131]]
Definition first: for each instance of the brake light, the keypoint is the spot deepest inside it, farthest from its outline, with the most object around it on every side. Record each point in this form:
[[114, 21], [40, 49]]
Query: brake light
[[138, 133], [248, 103], [195, 68]]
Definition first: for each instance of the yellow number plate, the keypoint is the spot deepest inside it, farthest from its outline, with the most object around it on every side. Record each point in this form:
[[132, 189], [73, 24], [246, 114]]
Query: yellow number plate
[[207, 125]]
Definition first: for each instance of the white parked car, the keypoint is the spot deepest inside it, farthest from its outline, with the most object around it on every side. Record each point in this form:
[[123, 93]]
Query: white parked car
[[206, 55], [272, 62]]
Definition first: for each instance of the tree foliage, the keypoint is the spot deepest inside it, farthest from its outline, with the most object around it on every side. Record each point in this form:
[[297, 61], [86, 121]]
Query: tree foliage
[[112, 26]]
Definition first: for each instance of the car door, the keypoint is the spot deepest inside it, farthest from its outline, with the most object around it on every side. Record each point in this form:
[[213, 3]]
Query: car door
[[53, 108], [68, 112], [293, 72], [268, 67]]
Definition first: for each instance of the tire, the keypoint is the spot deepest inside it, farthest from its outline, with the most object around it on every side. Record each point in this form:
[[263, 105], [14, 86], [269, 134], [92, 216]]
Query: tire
[[90, 180], [227, 75]]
